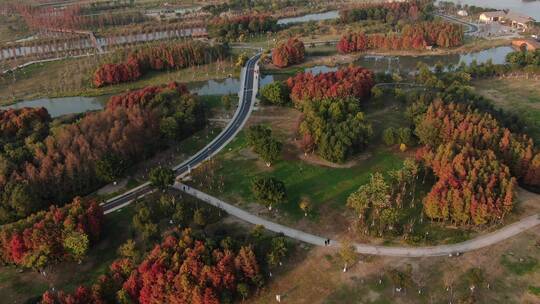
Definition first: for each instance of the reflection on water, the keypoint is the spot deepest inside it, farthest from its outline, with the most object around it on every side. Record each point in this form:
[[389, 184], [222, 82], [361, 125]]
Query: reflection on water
[[529, 8], [384, 64], [408, 64], [64, 105], [310, 17]]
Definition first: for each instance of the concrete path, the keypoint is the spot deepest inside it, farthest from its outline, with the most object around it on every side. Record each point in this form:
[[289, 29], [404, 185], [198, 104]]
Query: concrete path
[[395, 251]]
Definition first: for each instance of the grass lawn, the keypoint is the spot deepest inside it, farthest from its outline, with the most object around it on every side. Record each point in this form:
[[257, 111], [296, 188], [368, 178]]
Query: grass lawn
[[520, 96], [321, 184], [72, 77], [325, 186]]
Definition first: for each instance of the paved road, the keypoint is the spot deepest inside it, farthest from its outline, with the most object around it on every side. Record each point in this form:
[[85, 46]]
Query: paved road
[[249, 86], [473, 28], [396, 251]]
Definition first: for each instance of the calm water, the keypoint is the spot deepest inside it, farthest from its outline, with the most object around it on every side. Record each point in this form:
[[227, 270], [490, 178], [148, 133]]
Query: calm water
[[64, 105], [529, 8], [310, 17], [387, 64]]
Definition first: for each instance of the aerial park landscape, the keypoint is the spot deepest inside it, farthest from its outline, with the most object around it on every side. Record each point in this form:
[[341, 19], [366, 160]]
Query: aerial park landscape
[[269, 151]]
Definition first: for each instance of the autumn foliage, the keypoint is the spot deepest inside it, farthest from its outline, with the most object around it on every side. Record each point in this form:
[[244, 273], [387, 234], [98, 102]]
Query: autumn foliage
[[156, 58], [346, 82], [181, 269], [415, 36], [38, 168], [288, 53], [475, 160], [143, 96], [40, 239], [72, 17]]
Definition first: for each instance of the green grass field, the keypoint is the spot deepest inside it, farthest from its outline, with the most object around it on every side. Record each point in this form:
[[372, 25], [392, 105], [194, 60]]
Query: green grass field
[[72, 77], [519, 96]]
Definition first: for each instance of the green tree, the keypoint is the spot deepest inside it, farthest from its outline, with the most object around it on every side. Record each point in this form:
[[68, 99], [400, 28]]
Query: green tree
[[129, 250], [168, 126], [270, 150], [404, 136], [77, 244], [278, 251], [348, 254], [199, 217], [260, 138], [269, 191], [375, 193], [275, 93], [161, 177], [110, 167], [389, 136]]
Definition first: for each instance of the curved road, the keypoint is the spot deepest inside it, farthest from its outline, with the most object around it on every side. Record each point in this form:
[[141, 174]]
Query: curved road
[[250, 76], [473, 28], [249, 88]]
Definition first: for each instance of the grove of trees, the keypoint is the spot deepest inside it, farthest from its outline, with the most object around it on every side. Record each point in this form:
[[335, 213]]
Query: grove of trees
[[416, 36], [335, 128], [52, 236], [476, 161], [182, 269], [262, 142], [158, 57], [332, 123], [346, 82], [288, 53], [38, 167], [389, 12], [382, 205], [236, 27]]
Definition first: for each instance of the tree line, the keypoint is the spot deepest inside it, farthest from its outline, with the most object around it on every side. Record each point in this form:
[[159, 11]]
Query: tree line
[[524, 58], [288, 53], [52, 236], [389, 12], [41, 166], [237, 27], [156, 58], [73, 17], [415, 36]]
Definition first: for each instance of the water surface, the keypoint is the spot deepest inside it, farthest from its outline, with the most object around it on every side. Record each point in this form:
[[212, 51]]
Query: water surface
[[529, 8], [310, 17], [379, 64]]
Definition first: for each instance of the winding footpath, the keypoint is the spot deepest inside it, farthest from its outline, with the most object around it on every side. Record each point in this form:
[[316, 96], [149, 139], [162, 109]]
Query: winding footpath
[[248, 92], [395, 251]]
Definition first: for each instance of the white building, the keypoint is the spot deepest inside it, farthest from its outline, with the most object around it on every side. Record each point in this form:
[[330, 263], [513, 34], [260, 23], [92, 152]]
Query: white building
[[462, 13], [489, 17]]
